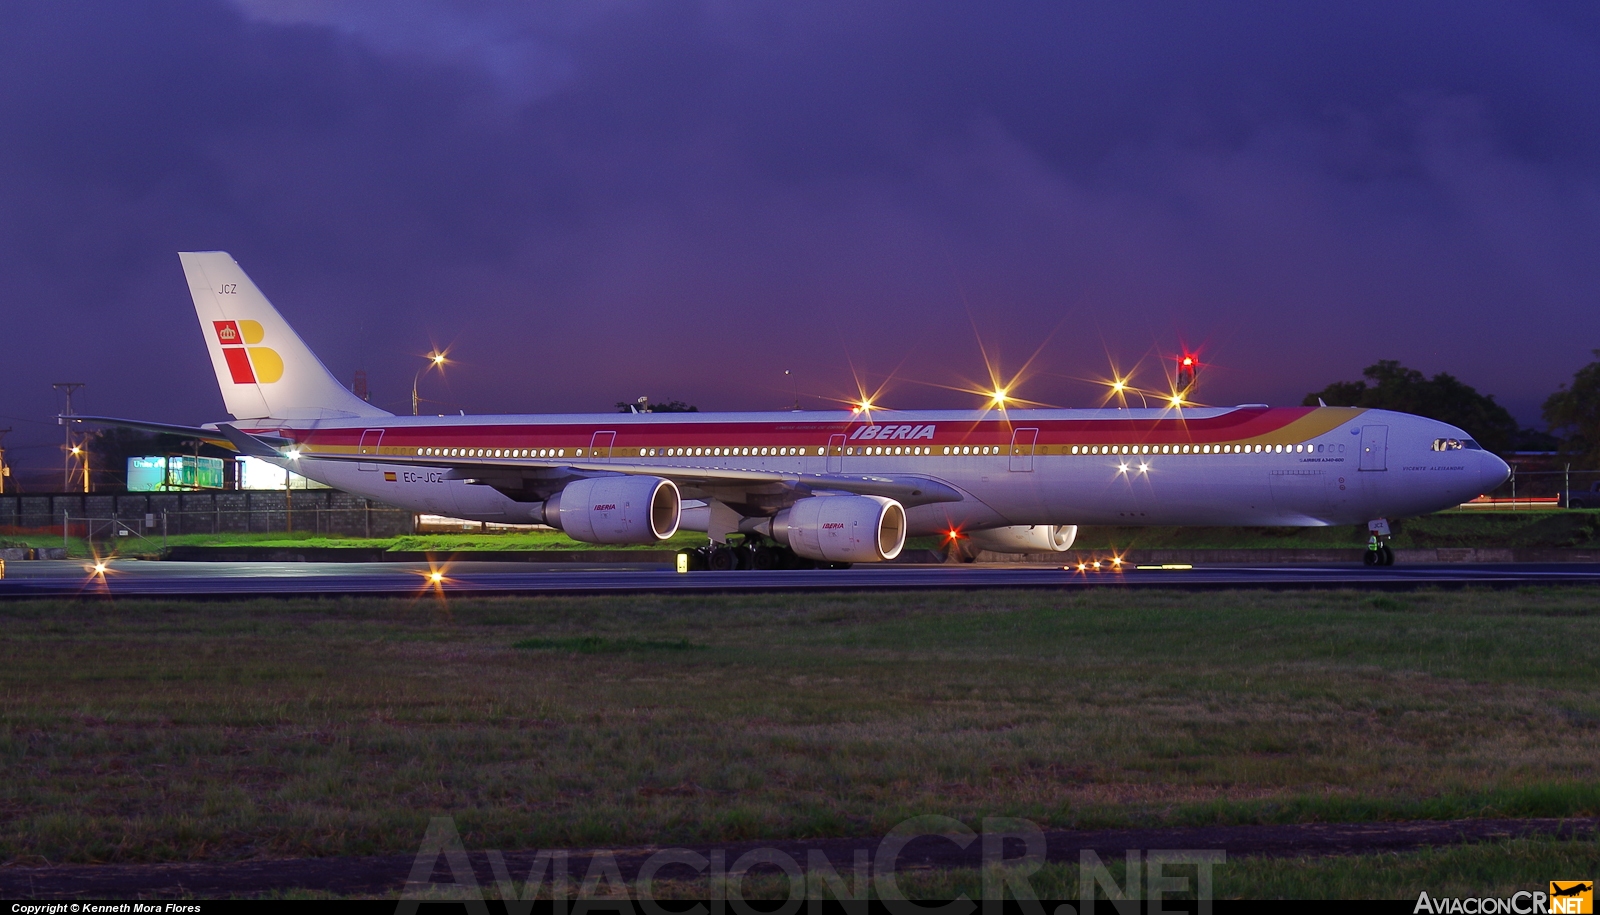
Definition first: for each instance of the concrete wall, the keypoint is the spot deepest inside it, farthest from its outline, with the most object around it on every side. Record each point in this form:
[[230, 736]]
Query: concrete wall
[[324, 511]]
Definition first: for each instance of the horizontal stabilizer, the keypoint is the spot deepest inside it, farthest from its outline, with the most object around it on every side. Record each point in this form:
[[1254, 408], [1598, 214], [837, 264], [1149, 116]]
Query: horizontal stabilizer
[[204, 433], [248, 444]]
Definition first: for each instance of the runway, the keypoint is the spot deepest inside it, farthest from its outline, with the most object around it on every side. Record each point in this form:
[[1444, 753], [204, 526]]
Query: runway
[[132, 578]]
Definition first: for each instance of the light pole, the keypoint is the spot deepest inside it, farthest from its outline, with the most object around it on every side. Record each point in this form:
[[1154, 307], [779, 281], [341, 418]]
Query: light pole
[[71, 449], [434, 359]]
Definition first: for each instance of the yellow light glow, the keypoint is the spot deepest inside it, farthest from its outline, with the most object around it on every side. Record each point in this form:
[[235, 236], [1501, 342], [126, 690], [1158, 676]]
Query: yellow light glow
[[1118, 386], [1176, 400], [76, 450], [438, 358], [99, 568], [999, 397], [436, 577]]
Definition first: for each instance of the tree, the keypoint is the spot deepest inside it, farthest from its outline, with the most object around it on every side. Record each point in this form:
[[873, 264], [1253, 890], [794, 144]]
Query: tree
[[1574, 414], [1442, 397]]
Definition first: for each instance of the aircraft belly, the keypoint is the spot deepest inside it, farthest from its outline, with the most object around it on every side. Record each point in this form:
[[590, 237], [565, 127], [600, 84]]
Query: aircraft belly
[[939, 517], [418, 489], [1186, 491]]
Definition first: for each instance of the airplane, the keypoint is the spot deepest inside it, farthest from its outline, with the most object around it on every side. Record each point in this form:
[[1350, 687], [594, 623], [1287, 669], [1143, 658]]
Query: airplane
[[827, 487]]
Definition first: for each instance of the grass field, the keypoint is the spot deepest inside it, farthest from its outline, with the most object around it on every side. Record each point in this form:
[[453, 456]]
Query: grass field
[[150, 730], [1498, 869], [1551, 529], [463, 542]]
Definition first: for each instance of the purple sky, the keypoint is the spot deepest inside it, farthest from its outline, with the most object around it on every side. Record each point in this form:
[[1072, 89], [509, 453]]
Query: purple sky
[[598, 199]]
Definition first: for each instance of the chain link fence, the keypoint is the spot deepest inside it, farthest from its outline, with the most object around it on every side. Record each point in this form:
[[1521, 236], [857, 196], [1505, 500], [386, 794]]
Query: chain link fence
[[131, 515]]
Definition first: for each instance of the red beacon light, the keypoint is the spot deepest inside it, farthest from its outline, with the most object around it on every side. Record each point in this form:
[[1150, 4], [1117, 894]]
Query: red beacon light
[[1188, 367]]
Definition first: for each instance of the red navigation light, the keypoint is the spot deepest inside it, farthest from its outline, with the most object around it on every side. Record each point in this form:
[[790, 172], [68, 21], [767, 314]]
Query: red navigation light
[[1188, 360]]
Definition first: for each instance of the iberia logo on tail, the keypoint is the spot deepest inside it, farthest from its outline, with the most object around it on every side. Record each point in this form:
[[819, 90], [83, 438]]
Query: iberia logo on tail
[[248, 363]]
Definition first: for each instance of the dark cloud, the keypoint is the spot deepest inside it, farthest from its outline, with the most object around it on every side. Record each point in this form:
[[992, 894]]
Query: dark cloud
[[594, 201]]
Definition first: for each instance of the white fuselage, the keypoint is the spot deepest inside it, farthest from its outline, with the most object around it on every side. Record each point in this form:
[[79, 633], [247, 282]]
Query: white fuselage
[[1198, 466]]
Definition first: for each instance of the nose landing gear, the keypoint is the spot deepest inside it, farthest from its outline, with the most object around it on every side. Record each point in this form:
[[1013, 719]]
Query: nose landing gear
[[1378, 551]]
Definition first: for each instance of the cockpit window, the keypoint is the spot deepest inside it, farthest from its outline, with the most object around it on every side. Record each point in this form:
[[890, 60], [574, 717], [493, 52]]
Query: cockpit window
[[1456, 444], [1471, 445]]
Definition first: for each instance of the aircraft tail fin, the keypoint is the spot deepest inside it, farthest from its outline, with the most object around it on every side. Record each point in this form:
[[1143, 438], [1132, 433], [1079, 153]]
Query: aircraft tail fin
[[263, 367]]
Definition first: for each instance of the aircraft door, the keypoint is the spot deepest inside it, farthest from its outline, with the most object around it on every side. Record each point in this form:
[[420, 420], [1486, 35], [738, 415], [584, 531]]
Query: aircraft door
[[370, 440], [836, 453], [1022, 445], [600, 445], [1374, 447]]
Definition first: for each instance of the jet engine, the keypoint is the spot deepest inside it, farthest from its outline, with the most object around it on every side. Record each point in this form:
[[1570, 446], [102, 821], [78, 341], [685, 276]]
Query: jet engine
[[842, 528], [1025, 538], [615, 510]]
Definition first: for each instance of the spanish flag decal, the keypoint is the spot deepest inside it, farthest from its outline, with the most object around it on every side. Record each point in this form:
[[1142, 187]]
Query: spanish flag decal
[[388, 476], [248, 364]]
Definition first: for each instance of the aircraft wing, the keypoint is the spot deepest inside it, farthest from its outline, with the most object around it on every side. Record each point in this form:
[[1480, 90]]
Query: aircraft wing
[[523, 475]]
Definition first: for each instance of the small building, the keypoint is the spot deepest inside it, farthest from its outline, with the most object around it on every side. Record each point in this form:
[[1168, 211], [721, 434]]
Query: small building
[[174, 473]]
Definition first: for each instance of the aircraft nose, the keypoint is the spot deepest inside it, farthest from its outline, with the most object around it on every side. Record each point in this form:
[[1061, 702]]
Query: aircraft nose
[[1492, 472]]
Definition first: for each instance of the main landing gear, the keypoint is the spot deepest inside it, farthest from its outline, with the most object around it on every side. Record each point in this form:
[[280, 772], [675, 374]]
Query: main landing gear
[[755, 554]]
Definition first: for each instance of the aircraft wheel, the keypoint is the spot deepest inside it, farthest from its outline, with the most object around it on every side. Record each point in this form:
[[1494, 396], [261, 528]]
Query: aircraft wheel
[[723, 559], [765, 558], [1388, 556], [1371, 558]]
